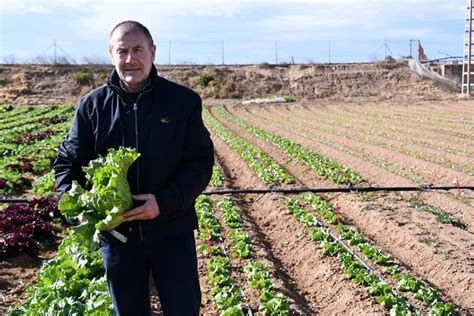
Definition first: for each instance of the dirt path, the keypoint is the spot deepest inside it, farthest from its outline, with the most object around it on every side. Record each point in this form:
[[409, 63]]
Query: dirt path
[[16, 275]]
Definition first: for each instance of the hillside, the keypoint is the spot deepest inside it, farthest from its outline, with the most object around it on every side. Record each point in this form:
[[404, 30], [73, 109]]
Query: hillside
[[382, 81]]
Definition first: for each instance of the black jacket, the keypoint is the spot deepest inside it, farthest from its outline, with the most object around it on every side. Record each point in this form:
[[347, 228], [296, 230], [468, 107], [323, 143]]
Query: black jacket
[[166, 127]]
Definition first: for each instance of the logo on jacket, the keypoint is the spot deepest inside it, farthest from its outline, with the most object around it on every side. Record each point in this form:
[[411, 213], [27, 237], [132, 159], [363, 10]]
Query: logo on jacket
[[164, 120]]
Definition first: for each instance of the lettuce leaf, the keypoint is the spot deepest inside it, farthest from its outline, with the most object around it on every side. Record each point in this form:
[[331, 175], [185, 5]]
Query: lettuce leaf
[[102, 207]]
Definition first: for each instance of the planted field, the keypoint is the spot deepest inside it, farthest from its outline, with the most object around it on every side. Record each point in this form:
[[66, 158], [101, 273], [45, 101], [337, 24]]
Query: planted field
[[417, 246], [301, 254]]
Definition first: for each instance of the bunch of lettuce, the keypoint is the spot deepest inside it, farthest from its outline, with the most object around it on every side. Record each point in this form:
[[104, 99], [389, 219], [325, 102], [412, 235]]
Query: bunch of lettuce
[[101, 208]]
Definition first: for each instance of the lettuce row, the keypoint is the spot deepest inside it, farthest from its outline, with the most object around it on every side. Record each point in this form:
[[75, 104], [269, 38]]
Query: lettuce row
[[258, 274], [71, 284], [225, 291], [261, 164], [329, 169]]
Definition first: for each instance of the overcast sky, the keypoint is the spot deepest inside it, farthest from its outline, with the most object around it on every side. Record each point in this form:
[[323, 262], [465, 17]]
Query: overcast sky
[[193, 31]]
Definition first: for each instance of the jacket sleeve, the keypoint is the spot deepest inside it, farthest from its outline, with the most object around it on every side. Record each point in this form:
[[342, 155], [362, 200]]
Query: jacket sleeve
[[195, 169], [75, 152]]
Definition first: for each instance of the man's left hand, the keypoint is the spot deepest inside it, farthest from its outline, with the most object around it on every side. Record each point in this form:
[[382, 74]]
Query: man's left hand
[[149, 210]]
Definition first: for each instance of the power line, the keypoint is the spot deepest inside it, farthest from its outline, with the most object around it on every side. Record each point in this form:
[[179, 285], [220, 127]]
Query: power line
[[67, 55], [56, 47]]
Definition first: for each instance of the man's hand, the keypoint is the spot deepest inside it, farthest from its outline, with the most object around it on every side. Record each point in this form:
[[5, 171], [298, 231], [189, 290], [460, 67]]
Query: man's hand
[[149, 210]]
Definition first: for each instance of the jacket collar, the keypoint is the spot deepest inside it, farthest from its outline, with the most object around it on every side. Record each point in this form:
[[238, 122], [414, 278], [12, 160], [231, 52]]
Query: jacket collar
[[114, 80]]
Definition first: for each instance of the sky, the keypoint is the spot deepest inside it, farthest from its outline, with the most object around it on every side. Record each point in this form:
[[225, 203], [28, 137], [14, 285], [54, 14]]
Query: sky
[[235, 32]]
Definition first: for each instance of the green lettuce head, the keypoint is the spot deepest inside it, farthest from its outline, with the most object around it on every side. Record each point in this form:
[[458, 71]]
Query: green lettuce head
[[103, 206]]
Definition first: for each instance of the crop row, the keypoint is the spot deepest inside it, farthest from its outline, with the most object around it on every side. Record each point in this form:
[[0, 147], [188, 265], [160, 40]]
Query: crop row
[[265, 167], [28, 143], [364, 119], [28, 154], [42, 115], [412, 173], [329, 169], [354, 269], [8, 112], [409, 172], [368, 136], [405, 281], [26, 228], [395, 302], [385, 130], [71, 284], [21, 115], [55, 115], [17, 173], [435, 124], [258, 274], [227, 295], [217, 178]]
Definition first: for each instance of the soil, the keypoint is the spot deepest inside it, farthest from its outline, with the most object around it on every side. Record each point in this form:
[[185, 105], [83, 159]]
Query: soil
[[17, 275], [382, 121], [371, 164], [318, 280], [446, 263]]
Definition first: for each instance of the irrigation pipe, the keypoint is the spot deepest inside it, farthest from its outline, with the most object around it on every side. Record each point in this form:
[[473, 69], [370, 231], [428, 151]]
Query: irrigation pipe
[[349, 189]]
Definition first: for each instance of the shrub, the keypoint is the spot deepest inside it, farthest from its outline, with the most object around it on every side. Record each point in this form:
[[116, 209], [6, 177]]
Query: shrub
[[203, 81], [3, 81], [82, 76]]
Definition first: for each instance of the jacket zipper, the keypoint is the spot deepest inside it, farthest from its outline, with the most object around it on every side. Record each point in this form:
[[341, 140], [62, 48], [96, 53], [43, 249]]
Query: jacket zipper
[[135, 110], [138, 166]]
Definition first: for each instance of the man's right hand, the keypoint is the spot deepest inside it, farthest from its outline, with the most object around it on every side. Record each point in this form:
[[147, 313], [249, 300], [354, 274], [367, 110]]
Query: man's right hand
[[149, 210]]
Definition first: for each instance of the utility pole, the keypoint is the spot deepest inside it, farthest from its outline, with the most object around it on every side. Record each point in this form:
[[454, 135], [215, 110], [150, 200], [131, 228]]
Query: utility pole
[[411, 55], [276, 52], [411, 48], [222, 52], [169, 53], [55, 53], [329, 51], [467, 51]]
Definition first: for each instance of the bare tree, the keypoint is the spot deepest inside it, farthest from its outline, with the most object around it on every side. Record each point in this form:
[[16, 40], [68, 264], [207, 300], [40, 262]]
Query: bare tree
[[9, 59], [96, 60], [52, 60]]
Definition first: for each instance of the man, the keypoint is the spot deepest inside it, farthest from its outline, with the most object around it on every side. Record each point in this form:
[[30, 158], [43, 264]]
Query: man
[[162, 120]]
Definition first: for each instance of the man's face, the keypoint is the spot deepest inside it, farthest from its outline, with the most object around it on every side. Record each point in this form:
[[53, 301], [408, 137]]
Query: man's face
[[132, 55]]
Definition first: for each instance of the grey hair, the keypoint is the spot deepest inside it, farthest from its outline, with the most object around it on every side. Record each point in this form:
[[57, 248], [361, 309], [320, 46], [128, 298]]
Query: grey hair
[[131, 27]]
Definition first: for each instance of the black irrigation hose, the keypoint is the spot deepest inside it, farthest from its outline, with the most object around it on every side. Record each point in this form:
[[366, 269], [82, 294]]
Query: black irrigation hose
[[3, 200], [349, 189]]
